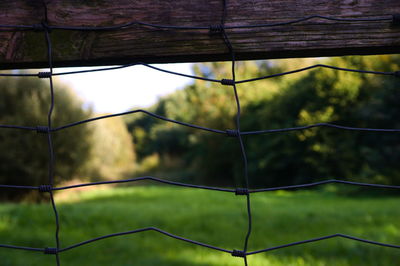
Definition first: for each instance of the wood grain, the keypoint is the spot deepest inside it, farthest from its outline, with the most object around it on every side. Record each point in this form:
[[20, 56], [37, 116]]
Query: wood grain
[[315, 37]]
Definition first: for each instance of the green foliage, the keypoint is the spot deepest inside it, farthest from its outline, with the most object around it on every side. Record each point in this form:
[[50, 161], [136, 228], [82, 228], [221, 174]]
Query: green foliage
[[320, 95], [24, 154], [342, 98], [210, 217]]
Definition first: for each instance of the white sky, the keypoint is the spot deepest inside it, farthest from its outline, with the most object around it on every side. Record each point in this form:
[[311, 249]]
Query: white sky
[[119, 90]]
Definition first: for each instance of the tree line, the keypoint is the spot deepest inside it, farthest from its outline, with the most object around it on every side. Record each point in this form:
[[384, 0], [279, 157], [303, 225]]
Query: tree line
[[317, 96]]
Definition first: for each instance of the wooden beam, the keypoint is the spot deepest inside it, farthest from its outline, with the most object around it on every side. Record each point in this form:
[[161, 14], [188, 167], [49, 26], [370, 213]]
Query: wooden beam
[[316, 37]]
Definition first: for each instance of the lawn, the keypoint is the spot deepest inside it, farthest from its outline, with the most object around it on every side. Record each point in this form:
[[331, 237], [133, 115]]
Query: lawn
[[214, 218]]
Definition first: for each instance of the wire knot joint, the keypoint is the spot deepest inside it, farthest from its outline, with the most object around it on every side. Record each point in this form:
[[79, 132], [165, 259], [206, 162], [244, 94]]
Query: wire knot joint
[[44, 75], [50, 251], [215, 29], [238, 253], [42, 129], [45, 188], [228, 82], [396, 19], [241, 191], [232, 133]]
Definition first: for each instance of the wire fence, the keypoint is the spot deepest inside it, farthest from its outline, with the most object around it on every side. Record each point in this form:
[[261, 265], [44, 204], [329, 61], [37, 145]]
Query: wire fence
[[220, 30]]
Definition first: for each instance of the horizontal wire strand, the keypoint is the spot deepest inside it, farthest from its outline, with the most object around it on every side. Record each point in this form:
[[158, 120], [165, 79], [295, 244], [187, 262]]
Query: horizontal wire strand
[[324, 238], [173, 183], [206, 245], [330, 181], [295, 21], [140, 111], [17, 127], [259, 132], [175, 27], [317, 66], [361, 71], [18, 187], [21, 247], [144, 230], [218, 131], [135, 64], [18, 75], [146, 178]]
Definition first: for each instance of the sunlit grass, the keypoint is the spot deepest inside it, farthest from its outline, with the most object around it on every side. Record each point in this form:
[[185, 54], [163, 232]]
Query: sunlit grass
[[211, 217]]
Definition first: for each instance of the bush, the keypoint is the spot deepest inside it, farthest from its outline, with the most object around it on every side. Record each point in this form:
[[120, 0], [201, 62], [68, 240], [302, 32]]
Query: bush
[[24, 158]]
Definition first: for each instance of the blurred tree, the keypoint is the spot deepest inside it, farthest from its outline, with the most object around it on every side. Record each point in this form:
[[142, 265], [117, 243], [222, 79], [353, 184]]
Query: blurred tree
[[24, 154]]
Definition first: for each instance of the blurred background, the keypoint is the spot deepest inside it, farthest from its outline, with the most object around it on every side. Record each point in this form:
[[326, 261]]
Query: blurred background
[[138, 145]]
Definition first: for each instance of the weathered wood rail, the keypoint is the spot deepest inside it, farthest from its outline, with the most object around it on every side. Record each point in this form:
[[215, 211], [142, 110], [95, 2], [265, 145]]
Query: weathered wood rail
[[316, 37]]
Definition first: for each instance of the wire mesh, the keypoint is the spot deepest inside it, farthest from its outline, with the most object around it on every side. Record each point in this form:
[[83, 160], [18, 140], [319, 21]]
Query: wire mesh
[[221, 31]]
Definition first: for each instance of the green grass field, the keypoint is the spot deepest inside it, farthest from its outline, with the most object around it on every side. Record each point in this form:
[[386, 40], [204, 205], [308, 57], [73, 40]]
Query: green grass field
[[210, 217]]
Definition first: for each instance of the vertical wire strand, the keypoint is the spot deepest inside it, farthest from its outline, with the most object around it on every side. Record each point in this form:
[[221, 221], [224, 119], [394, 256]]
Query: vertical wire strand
[[50, 142], [244, 155], [239, 136], [224, 11]]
